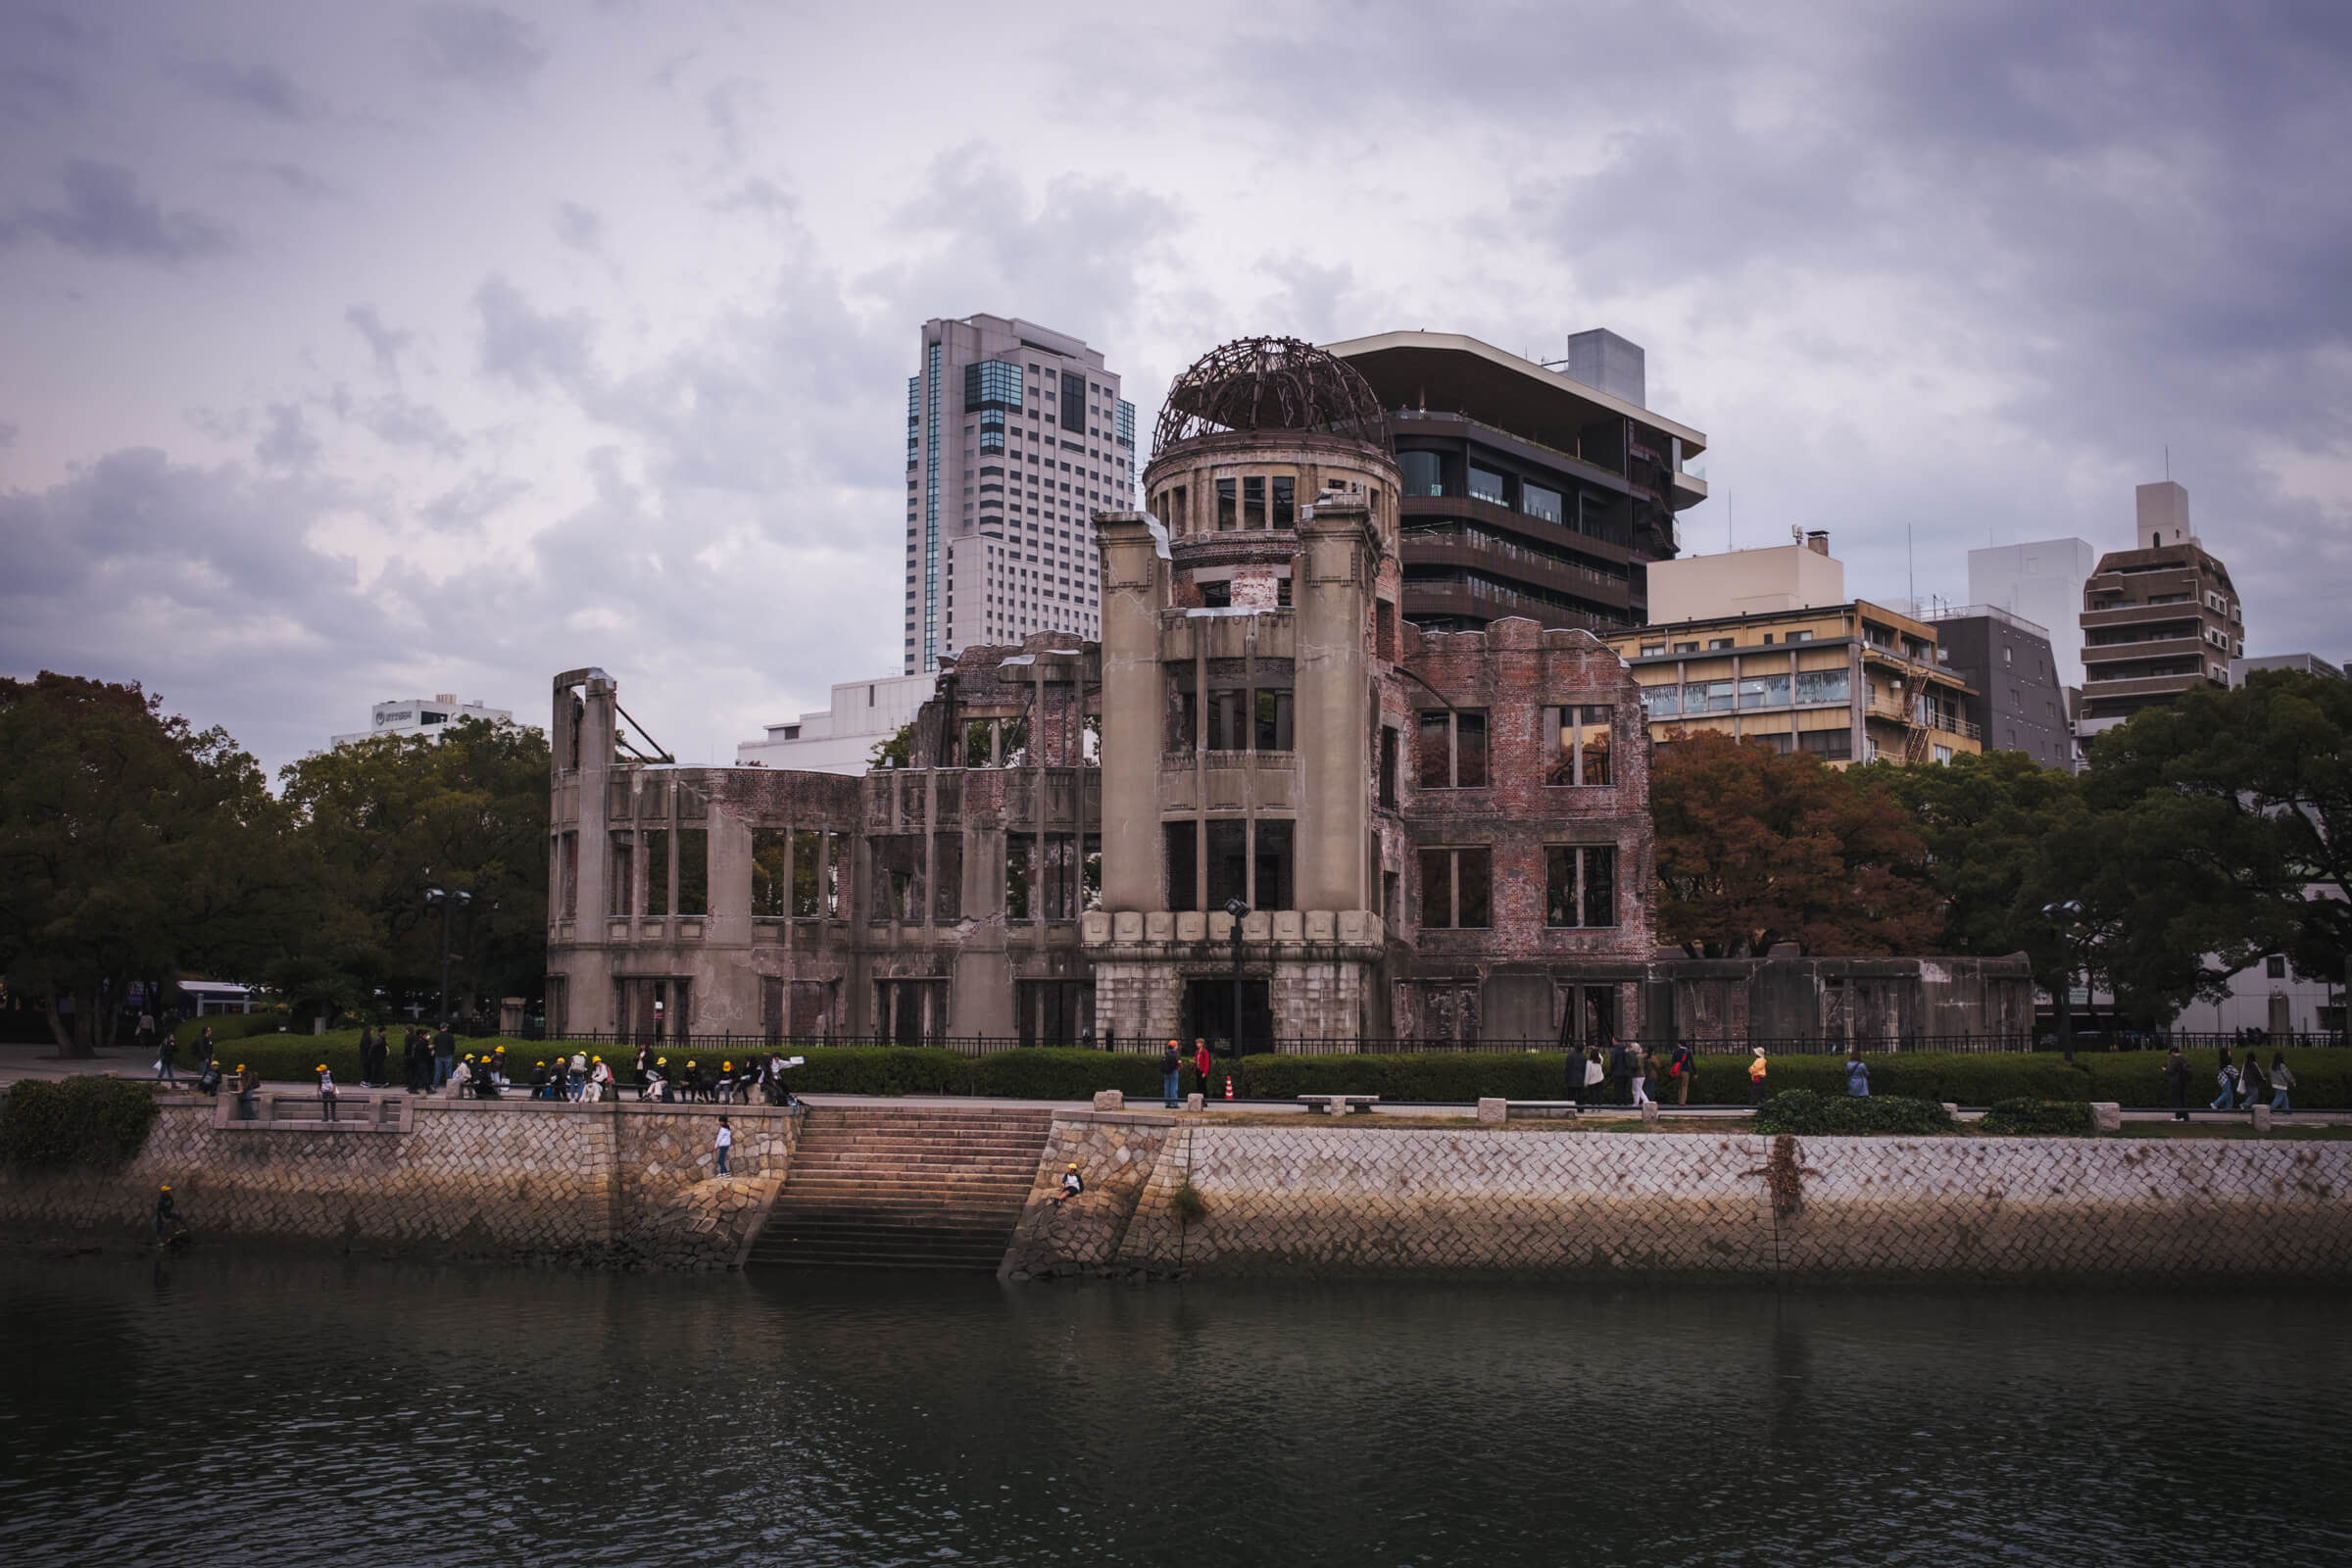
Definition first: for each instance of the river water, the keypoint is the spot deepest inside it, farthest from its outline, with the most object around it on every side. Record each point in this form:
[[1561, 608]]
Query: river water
[[221, 1409]]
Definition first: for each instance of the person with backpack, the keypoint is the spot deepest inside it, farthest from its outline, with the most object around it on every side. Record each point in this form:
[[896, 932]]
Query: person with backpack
[[326, 1093], [1681, 1069], [2283, 1079], [2227, 1079], [1857, 1074], [1171, 1070]]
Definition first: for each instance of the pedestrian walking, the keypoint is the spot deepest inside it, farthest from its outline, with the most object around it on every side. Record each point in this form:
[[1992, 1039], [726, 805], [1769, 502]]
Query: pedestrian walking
[[1621, 1070], [726, 1141], [1756, 1070], [1857, 1074], [144, 1030], [166, 1061], [249, 1083], [1171, 1070], [2283, 1079], [326, 1093], [2176, 1077], [1203, 1065], [1681, 1069], [1637, 1068], [2227, 1079], [1594, 1072], [2253, 1087]]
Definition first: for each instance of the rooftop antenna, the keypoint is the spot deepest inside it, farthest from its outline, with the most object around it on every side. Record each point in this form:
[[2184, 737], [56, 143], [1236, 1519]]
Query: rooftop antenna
[[2168, 463], [1910, 568]]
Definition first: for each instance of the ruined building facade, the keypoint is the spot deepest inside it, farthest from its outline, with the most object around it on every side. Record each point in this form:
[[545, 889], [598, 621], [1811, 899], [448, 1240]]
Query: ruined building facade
[[1429, 835]]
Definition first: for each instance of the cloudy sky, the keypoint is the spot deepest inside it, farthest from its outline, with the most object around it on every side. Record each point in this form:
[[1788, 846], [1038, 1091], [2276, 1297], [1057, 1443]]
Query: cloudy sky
[[353, 352]]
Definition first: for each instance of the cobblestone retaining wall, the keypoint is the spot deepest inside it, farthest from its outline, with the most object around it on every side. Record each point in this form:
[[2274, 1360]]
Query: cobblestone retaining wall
[[611, 1183], [1325, 1200]]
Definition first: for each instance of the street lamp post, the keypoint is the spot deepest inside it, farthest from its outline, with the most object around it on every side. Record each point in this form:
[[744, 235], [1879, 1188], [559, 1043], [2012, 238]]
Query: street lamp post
[[2066, 916], [1240, 912], [448, 898]]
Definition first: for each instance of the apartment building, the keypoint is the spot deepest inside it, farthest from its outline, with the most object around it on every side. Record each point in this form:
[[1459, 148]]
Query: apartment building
[[1765, 647], [1015, 436], [1528, 491], [429, 717], [2158, 619], [2015, 698]]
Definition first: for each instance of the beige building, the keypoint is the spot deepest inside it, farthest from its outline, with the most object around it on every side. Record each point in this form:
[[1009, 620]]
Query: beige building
[[1802, 576], [2158, 619]]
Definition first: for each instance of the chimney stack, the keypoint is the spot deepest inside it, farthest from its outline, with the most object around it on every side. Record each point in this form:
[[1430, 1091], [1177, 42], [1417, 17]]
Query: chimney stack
[[1818, 541]]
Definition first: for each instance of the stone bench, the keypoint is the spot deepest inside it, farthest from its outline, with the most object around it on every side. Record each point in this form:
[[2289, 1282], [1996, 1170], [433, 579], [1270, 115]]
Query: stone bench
[[1496, 1110], [1337, 1104]]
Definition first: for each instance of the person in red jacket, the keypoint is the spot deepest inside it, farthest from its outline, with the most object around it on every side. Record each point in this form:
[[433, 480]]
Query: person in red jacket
[[1202, 1064]]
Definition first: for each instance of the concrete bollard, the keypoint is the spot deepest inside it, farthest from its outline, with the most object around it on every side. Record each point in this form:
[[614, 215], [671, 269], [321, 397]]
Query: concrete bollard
[[1951, 1109], [1193, 1101], [1110, 1100], [1650, 1112], [2106, 1117], [2262, 1118], [1492, 1112]]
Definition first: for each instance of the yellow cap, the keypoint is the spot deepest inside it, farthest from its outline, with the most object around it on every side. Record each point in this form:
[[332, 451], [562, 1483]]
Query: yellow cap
[[240, 1066], [596, 1058], [322, 1068], [166, 1187], [1073, 1165], [726, 1067], [660, 1062]]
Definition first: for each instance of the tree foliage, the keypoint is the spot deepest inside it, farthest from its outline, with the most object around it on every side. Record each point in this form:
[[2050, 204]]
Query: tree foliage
[[392, 816], [132, 848], [1756, 849]]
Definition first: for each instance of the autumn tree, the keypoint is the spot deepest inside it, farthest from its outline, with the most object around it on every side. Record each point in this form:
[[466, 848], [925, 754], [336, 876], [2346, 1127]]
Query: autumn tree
[[132, 848], [1756, 849]]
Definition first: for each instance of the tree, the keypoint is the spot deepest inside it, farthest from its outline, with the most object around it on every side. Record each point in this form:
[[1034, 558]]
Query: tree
[[1999, 829], [392, 816], [1756, 849], [2231, 831], [132, 847]]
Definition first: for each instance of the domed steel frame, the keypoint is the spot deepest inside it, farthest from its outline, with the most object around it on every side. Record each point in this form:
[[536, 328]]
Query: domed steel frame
[[1269, 383]]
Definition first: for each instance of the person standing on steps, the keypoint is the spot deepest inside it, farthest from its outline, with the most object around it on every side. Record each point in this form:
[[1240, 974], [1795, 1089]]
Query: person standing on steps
[[1755, 1077], [2176, 1077], [1171, 1073], [445, 1054], [248, 1083], [726, 1143]]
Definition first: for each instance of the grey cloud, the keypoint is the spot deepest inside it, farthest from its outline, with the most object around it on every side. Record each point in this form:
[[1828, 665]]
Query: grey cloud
[[292, 178], [522, 345], [263, 88], [464, 506], [729, 106], [43, 56], [580, 228], [385, 342], [418, 426], [8, 435], [104, 214], [286, 442], [476, 46]]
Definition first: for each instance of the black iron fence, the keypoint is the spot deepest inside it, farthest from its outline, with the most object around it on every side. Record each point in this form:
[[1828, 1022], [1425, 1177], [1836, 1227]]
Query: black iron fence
[[729, 1046]]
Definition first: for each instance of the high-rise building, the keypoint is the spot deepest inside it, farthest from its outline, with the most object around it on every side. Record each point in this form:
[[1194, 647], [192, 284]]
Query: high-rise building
[[1015, 436], [2040, 581], [2158, 619], [2013, 697], [429, 717], [1528, 492]]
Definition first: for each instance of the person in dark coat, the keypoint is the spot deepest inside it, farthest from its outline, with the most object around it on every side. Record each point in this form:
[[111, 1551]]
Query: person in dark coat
[[2253, 1084], [2176, 1077], [1171, 1069], [1621, 1074]]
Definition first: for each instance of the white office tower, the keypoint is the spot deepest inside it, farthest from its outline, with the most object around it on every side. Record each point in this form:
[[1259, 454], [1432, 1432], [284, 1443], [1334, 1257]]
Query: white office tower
[[1016, 436]]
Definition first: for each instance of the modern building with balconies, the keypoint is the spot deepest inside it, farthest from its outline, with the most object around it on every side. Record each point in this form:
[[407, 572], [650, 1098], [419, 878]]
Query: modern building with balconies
[[2158, 619], [1528, 491]]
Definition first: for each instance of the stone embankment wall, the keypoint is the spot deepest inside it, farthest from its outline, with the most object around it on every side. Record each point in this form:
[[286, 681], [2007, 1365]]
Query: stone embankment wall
[[604, 1183], [1356, 1199]]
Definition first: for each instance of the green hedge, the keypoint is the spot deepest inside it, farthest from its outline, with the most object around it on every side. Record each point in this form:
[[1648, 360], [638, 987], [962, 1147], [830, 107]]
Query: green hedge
[[1442, 1077], [1805, 1113], [2013, 1119], [2123, 1077], [228, 1026], [87, 1120]]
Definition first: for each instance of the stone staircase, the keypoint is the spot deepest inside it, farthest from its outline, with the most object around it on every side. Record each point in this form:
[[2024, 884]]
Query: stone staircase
[[917, 1186]]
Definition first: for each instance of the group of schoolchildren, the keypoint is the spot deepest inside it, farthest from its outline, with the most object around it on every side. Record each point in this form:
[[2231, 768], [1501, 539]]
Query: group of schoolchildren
[[694, 1083]]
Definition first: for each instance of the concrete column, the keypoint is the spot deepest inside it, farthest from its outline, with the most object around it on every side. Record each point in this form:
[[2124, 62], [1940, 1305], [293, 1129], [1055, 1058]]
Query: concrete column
[[1134, 706], [1330, 594]]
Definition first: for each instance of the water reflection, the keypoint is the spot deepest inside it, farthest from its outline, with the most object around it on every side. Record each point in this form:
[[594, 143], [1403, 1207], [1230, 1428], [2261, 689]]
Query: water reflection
[[281, 1411]]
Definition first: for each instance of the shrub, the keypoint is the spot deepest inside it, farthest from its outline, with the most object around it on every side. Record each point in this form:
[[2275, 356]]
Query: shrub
[[1802, 1111], [80, 1121], [1435, 1077], [1048, 1073], [1190, 1205], [228, 1026], [2014, 1119]]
